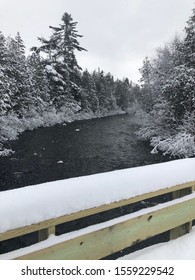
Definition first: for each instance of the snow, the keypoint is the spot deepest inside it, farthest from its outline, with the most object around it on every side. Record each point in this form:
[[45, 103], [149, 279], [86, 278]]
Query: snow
[[51, 70], [182, 145], [60, 162], [53, 240], [33, 204], [11, 126]]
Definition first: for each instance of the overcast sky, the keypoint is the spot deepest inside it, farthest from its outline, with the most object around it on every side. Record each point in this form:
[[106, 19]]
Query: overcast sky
[[118, 34]]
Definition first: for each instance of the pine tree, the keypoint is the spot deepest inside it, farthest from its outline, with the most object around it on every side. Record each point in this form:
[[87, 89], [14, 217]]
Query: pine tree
[[122, 93], [5, 93], [39, 85], [61, 64], [105, 90], [109, 85], [189, 41], [18, 75], [89, 99], [147, 90]]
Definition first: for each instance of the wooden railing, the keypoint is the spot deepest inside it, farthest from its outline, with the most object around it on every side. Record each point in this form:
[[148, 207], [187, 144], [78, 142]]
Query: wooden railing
[[175, 216]]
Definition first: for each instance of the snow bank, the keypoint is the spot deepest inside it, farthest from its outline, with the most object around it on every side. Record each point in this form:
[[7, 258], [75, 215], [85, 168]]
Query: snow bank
[[33, 204], [11, 126], [182, 145]]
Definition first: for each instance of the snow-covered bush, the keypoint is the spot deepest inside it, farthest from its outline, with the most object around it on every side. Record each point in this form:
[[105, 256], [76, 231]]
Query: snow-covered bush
[[5, 152], [181, 145]]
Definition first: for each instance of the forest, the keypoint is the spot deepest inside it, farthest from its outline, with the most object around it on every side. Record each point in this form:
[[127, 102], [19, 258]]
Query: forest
[[48, 86], [167, 96]]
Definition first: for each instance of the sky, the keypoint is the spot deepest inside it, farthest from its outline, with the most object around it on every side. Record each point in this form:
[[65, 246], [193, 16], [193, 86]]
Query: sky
[[118, 34]]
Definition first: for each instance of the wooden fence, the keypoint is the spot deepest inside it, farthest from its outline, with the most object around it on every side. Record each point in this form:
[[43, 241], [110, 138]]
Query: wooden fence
[[174, 216]]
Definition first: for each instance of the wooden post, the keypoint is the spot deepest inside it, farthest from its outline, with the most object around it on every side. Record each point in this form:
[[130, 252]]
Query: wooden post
[[185, 228], [43, 234], [182, 192]]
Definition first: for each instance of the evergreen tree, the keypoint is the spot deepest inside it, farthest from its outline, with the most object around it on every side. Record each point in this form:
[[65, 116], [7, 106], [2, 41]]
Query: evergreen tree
[[3, 50], [39, 85], [61, 63], [147, 90], [5, 93], [89, 99], [18, 75], [122, 93], [189, 42], [109, 85], [180, 91], [105, 90]]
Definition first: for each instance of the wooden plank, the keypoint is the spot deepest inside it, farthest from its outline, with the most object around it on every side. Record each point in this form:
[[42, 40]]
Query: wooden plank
[[185, 228], [180, 230], [74, 216], [101, 243], [43, 234], [182, 192]]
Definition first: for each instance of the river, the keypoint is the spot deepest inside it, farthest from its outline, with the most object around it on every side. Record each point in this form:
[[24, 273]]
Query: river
[[75, 149]]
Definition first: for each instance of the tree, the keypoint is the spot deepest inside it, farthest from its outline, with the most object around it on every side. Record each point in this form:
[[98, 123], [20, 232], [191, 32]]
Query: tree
[[147, 90], [61, 64], [122, 93], [89, 99], [180, 91], [105, 87], [18, 75], [171, 82], [5, 93], [39, 85], [189, 41]]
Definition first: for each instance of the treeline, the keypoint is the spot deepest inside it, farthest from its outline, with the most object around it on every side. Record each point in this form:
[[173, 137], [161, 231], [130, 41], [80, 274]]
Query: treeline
[[167, 96], [50, 81]]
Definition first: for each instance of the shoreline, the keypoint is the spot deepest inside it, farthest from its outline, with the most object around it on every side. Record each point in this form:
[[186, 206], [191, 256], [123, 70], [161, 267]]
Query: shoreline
[[12, 126]]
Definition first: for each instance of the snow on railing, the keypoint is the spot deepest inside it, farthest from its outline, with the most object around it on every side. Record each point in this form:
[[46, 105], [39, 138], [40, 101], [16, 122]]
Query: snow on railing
[[41, 208]]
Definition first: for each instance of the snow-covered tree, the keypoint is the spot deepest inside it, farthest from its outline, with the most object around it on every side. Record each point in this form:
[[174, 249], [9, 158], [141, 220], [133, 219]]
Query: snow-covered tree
[[89, 99], [189, 41], [105, 87], [18, 75], [122, 93], [147, 85], [5, 93], [39, 85], [61, 64], [171, 84]]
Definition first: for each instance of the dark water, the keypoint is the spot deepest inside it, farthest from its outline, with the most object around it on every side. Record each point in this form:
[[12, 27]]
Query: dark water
[[77, 149]]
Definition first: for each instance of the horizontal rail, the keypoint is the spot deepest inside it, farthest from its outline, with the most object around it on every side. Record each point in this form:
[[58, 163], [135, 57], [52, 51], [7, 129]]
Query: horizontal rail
[[111, 239], [51, 223]]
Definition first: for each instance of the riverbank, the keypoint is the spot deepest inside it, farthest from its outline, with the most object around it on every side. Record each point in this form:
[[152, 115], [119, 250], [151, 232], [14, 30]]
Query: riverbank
[[78, 148], [11, 126], [176, 143]]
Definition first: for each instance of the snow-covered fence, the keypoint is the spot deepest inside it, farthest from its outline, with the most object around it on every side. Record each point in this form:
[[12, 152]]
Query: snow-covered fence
[[38, 208]]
